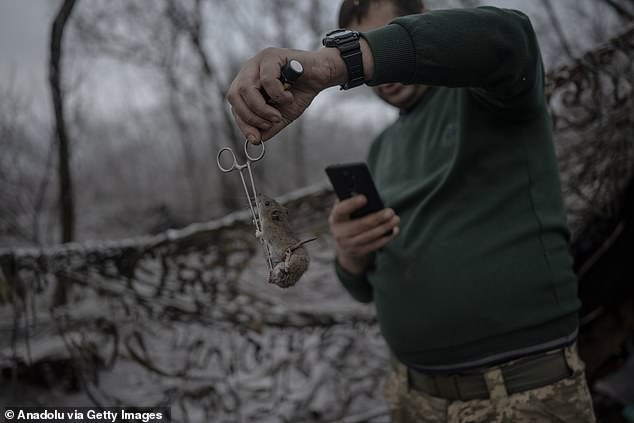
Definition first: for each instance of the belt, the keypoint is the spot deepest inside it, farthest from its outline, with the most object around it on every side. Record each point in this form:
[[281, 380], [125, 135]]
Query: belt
[[519, 375]]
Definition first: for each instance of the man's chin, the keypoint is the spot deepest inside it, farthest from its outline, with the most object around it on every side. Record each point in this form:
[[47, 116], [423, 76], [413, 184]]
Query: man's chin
[[391, 90], [394, 100]]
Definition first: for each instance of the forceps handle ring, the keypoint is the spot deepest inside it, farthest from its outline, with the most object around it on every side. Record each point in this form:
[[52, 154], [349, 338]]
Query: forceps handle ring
[[234, 164]]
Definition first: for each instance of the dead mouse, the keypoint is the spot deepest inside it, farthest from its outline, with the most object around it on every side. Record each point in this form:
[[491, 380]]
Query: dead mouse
[[288, 255]]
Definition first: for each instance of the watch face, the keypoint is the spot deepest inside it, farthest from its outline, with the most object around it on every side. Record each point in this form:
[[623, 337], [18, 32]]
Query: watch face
[[342, 33], [347, 42], [339, 35], [337, 32]]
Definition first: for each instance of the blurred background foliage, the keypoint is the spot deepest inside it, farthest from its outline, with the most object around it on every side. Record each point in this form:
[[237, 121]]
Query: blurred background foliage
[[141, 87]]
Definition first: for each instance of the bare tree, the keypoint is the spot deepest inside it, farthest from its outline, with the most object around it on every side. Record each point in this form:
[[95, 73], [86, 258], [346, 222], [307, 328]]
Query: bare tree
[[191, 23], [190, 50], [20, 155], [180, 42], [66, 197], [623, 8], [556, 24]]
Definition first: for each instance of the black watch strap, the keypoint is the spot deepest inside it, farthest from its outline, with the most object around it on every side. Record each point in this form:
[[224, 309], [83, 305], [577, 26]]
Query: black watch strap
[[347, 42]]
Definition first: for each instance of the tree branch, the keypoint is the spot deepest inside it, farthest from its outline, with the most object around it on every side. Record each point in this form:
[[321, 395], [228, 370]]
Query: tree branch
[[554, 20], [619, 9]]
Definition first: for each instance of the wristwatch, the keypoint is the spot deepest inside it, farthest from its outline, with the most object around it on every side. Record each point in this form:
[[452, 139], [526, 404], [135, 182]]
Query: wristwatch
[[348, 44]]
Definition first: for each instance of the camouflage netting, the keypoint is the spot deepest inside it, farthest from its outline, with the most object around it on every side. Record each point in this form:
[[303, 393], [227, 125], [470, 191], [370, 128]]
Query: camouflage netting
[[593, 118], [186, 317]]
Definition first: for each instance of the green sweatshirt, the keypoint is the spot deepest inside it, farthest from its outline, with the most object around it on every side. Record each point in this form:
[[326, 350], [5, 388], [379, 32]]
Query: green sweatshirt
[[481, 267]]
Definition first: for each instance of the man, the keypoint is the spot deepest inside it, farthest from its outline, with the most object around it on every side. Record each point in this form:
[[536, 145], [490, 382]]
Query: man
[[473, 282]]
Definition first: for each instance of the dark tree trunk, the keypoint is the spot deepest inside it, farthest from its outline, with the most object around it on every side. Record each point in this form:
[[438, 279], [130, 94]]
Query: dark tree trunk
[[66, 198]]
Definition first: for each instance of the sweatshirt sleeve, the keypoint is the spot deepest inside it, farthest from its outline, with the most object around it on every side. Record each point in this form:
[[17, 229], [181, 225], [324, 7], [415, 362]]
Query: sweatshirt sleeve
[[492, 51], [358, 286]]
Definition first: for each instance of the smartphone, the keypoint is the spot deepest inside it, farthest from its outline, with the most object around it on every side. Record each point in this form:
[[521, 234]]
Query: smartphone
[[350, 179]]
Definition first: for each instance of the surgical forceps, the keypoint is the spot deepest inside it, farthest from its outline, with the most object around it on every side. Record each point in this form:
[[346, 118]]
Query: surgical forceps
[[251, 197]]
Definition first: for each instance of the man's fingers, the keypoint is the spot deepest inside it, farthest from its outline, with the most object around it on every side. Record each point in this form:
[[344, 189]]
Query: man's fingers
[[376, 244], [373, 234], [375, 219], [261, 104], [249, 107], [252, 134], [270, 72], [276, 92], [355, 227], [253, 126], [343, 208], [358, 237]]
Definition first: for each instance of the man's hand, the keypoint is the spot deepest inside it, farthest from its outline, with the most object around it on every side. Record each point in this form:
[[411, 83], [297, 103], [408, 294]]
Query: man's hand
[[356, 239], [258, 120]]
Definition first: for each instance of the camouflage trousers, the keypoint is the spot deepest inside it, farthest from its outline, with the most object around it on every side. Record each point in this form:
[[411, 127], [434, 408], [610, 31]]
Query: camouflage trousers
[[567, 400]]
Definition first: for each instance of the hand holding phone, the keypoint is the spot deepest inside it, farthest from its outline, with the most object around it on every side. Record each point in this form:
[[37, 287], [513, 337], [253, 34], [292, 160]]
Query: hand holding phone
[[350, 179], [359, 227]]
